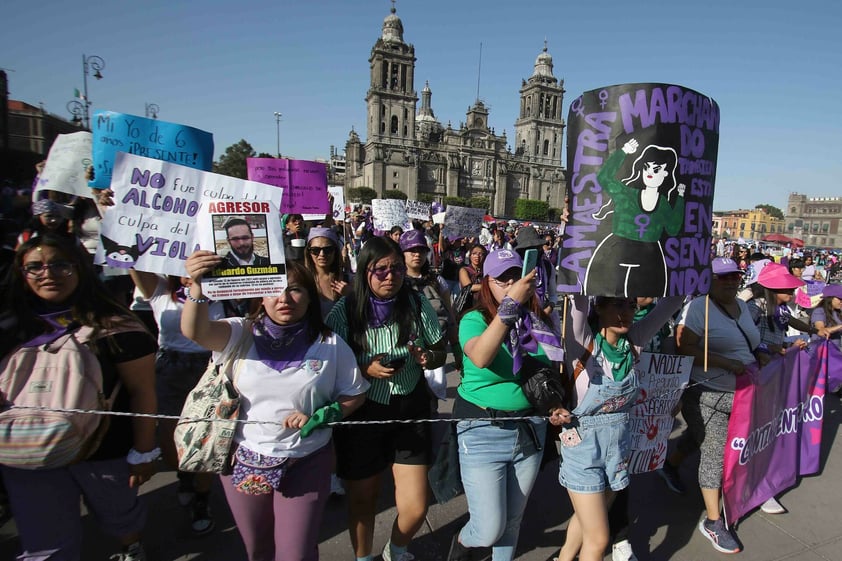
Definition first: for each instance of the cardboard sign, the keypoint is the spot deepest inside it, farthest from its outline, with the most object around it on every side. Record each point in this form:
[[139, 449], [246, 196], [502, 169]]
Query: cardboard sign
[[249, 236], [462, 222], [338, 194], [304, 183], [386, 213], [67, 164], [642, 161], [169, 142], [418, 210], [152, 225]]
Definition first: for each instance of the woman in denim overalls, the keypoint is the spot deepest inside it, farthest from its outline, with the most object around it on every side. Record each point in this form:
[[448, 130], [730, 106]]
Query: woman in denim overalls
[[595, 438]]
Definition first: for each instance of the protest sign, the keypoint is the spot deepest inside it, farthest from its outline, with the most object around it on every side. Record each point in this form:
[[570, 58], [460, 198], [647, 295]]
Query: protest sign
[[249, 236], [152, 225], [810, 295], [170, 142], [418, 210], [438, 218], [462, 222], [338, 194], [642, 162], [662, 379], [67, 164], [775, 429], [304, 183], [386, 213]]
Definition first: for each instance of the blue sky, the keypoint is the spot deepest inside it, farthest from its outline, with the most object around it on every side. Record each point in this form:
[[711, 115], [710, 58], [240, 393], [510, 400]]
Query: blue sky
[[775, 68]]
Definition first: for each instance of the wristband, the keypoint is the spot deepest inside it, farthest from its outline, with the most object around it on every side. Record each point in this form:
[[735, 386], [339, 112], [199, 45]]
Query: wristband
[[197, 300], [508, 311], [136, 458]]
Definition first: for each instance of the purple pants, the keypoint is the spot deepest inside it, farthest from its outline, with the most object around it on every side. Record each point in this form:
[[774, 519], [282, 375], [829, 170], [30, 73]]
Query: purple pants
[[284, 526], [45, 504]]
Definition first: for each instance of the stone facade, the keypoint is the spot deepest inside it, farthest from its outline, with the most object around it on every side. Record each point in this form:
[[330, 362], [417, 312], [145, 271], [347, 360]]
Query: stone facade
[[815, 220], [408, 149]]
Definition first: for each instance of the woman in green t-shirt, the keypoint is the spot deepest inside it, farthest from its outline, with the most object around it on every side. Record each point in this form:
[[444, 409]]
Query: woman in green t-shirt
[[499, 458]]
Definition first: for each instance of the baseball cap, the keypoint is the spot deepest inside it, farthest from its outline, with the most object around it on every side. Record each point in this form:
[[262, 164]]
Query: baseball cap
[[413, 238], [499, 261], [723, 266]]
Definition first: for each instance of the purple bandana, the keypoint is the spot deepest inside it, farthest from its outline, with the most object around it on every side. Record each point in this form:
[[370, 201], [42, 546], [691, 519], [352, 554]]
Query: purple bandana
[[61, 323], [281, 346], [528, 332], [380, 311]]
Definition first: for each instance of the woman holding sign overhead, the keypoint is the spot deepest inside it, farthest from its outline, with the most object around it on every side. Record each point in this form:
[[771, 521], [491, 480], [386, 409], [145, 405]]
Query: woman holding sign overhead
[[395, 335], [595, 434]]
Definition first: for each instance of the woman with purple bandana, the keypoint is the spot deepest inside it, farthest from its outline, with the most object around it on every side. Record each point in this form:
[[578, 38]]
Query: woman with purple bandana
[[296, 373], [499, 459]]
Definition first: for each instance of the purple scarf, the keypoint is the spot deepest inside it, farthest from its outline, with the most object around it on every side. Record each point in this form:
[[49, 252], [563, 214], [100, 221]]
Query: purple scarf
[[281, 346], [528, 332], [61, 322], [379, 311]]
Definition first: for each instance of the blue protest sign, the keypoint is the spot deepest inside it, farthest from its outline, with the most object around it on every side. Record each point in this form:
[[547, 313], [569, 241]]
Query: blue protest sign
[[170, 142]]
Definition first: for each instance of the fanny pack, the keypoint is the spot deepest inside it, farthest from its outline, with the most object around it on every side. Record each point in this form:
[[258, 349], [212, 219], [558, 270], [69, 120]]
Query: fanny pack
[[258, 474]]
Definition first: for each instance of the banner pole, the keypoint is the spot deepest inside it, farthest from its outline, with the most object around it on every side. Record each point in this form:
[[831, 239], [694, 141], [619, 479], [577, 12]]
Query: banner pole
[[707, 319]]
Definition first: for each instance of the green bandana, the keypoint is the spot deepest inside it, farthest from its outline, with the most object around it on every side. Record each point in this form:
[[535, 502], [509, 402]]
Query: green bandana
[[620, 357]]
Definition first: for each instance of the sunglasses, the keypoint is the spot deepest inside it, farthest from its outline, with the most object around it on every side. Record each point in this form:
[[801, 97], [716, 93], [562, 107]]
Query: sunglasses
[[318, 250], [380, 273], [59, 269]]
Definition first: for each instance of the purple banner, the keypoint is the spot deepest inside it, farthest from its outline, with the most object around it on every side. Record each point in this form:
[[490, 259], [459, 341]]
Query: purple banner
[[775, 430], [304, 183]]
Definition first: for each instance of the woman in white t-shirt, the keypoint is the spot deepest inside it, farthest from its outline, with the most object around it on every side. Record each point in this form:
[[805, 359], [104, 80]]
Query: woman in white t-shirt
[[298, 375]]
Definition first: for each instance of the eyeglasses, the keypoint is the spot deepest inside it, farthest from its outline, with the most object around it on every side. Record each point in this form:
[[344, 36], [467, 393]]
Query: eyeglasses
[[506, 280], [382, 272], [319, 249], [729, 277], [239, 239], [59, 268]]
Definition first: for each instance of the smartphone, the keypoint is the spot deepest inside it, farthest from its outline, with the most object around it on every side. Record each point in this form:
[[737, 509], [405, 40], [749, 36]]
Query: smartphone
[[393, 361], [530, 261]]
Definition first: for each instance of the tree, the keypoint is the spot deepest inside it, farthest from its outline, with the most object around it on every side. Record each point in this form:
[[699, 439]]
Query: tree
[[773, 211], [233, 161], [395, 194], [361, 194], [527, 209], [266, 155], [426, 197], [455, 201], [480, 202]]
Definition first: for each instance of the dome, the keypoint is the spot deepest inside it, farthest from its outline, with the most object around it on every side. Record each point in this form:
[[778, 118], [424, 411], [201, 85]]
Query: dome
[[392, 28], [544, 64]]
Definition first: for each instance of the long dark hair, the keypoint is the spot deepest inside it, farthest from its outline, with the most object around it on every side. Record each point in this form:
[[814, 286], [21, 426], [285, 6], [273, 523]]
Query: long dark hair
[[91, 303], [827, 305], [407, 305], [658, 154], [336, 266], [316, 326]]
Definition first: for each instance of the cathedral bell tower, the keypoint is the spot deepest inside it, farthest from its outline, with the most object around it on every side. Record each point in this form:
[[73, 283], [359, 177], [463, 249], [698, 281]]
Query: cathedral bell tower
[[391, 96], [540, 127]]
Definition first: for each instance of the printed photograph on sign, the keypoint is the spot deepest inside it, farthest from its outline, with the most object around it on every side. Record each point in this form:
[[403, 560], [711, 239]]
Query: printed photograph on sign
[[248, 236], [643, 166]]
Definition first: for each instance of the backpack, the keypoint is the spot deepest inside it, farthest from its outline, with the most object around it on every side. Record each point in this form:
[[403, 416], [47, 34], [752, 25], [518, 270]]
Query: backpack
[[63, 373]]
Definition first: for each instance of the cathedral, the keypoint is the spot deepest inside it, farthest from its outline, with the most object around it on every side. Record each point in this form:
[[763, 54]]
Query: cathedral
[[407, 148]]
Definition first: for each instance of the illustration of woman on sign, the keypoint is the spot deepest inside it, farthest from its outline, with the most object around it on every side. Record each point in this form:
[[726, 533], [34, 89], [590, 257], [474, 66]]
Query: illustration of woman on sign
[[630, 261]]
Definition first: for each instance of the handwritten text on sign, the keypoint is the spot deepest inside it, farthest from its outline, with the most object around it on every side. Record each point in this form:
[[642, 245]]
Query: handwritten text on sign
[[150, 138], [304, 183]]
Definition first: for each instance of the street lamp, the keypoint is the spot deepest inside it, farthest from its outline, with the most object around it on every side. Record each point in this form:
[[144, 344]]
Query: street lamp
[[96, 64], [152, 110], [278, 130], [77, 109]]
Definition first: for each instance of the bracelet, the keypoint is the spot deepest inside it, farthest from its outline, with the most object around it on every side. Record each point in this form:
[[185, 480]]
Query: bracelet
[[508, 311], [136, 458], [197, 300]]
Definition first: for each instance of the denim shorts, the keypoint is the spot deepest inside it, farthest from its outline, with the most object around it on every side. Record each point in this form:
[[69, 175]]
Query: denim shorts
[[601, 460]]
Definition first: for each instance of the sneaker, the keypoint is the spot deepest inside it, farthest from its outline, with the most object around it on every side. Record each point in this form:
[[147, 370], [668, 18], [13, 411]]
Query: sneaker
[[458, 552], [772, 506], [387, 554], [202, 521], [336, 486], [622, 551], [670, 476], [133, 552], [722, 537]]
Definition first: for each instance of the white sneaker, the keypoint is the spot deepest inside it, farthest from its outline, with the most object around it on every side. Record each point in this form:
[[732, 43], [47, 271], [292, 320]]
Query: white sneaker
[[772, 506], [336, 486], [387, 554], [622, 551]]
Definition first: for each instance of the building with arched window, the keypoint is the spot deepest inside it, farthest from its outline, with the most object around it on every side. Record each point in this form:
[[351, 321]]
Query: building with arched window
[[815, 220], [408, 149]]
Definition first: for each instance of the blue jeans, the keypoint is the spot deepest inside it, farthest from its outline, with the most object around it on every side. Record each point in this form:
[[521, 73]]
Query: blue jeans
[[499, 465]]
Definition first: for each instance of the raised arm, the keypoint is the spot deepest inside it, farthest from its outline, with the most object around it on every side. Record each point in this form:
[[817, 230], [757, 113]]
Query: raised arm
[[195, 322]]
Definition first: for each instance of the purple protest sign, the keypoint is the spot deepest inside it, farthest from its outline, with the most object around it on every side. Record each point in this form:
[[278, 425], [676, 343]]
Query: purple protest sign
[[304, 183], [642, 164], [774, 434]]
